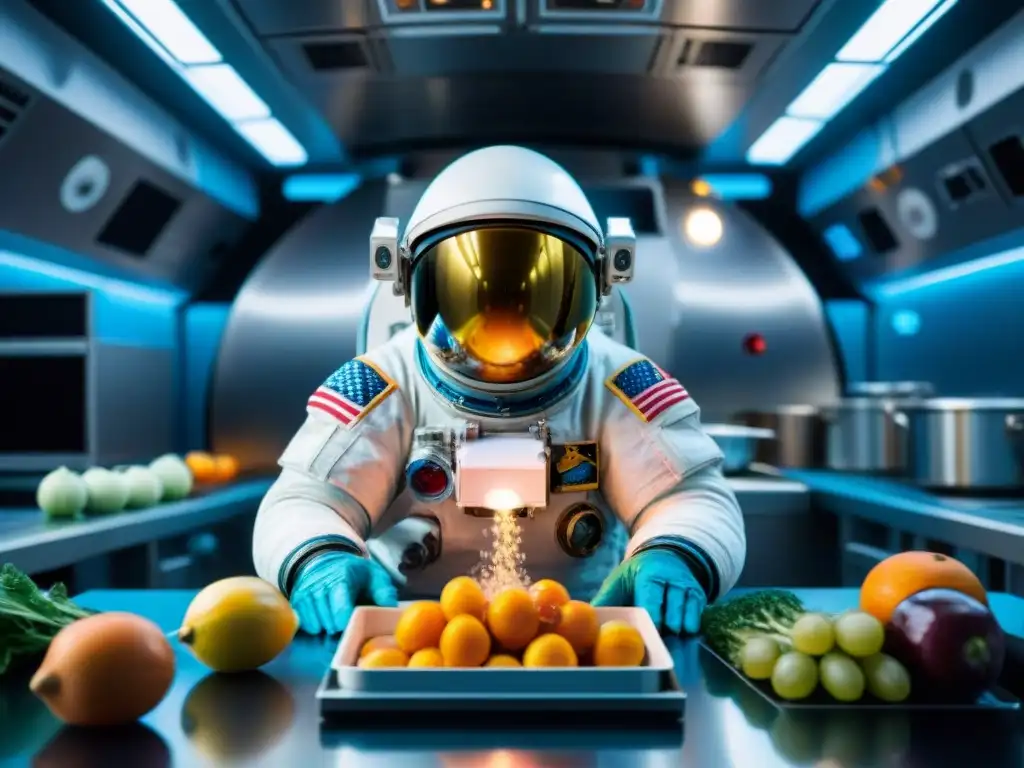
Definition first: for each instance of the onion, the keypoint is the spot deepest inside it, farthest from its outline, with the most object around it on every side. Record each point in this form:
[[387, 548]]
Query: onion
[[62, 493], [174, 475], [144, 488], [108, 491]]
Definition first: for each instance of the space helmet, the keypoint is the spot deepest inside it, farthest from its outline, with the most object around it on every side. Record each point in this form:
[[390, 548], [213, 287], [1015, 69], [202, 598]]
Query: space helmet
[[503, 264]]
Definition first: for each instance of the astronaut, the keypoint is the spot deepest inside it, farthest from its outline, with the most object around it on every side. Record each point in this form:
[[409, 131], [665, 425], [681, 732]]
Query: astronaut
[[385, 485]]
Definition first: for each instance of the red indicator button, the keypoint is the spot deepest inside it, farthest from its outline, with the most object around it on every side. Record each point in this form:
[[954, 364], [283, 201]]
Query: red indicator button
[[429, 480], [754, 344]]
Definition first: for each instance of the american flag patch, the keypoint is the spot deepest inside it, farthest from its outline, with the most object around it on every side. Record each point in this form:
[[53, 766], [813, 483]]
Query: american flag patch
[[646, 389], [351, 392]]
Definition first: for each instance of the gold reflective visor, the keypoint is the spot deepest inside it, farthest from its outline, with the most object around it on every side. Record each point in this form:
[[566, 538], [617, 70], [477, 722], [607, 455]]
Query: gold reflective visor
[[515, 301]]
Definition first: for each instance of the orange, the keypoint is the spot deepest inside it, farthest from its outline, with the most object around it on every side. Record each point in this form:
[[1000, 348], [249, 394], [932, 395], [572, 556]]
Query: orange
[[465, 642], [618, 644], [375, 643], [428, 657], [225, 468], [202, 465], [578, 625], [898, 577], [463, 596], [513, 619], [503, 660], [549, 596], [420, 626], [550, 651], [384, 658]]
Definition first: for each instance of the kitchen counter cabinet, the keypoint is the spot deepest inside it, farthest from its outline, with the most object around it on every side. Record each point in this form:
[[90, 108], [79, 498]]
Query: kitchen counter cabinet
[[34, 544], [271, 718]]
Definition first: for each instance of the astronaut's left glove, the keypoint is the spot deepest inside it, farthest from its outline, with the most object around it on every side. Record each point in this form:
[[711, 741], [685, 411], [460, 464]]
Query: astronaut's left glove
[[660, 581]]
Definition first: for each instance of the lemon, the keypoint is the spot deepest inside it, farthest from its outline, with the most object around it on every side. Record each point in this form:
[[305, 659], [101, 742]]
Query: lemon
[[238, 624]]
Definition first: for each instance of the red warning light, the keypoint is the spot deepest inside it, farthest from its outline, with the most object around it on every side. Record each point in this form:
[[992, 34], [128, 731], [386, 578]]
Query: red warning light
[[429, 480], [754, 344]]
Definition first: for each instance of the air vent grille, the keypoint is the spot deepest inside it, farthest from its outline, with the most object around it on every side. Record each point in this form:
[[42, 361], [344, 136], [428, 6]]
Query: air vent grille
[[715, 54], [13, 101], [336, 56]]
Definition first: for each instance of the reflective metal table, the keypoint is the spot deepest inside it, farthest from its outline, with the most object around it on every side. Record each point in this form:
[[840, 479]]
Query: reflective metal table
[[271, 718]]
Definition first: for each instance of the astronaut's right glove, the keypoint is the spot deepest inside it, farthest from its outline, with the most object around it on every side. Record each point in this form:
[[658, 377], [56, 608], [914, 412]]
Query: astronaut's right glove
[[329, 586]]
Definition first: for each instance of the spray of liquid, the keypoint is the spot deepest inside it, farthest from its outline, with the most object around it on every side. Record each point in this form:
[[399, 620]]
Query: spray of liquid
[[501, 564]]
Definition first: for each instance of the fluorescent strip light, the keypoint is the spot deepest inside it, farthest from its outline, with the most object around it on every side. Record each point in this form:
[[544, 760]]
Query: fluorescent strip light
[[923, 27], [783, 139], [949, 274], [892, 22], [169, 26], [320, 188], [833, 89], [740, 186], [273, 141], [227, 92]]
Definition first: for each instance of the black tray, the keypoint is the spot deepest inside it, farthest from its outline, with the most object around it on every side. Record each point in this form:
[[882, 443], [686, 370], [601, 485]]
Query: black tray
[[996, 699], [564, 711]]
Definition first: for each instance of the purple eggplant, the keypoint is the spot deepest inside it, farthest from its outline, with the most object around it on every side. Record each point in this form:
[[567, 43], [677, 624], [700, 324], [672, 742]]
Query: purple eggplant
[[951, 644]]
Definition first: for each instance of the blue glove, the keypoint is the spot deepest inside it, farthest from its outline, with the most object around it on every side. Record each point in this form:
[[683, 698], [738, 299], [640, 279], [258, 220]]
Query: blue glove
[[329, 586], [661, 582]]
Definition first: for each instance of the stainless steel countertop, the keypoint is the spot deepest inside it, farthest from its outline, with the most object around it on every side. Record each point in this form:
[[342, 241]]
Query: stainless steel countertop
[[993, 527], [271, 718], [34, 544]]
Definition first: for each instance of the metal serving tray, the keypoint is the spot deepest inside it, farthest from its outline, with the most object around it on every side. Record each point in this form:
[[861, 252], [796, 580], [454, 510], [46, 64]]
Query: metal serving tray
[[566, 710], [368, 622], [996, 699]]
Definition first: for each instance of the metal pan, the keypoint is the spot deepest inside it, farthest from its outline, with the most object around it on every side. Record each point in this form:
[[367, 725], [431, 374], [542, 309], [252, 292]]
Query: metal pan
[[738, 443], [799, 436]]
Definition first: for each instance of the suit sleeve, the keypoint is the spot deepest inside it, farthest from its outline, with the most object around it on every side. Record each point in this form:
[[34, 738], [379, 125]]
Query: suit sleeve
[[338, 475], [663, 477]]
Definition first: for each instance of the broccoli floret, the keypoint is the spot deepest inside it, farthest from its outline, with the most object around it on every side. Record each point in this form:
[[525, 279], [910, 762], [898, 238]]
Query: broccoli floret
[[729, 625]]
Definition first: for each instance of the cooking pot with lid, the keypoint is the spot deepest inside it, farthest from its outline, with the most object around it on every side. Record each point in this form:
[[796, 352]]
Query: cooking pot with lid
[[964, 443], [865, 434], [799, 436]]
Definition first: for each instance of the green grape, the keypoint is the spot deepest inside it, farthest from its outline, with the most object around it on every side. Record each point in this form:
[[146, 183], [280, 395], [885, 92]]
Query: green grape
[[841, 677], [757, 660], [813, 634], [859, 634], [795, 676], [887, 679]]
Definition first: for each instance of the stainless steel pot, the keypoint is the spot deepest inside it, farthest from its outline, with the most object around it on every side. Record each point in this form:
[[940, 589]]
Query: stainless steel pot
[[892, 390], [865, 434], [799, 436], [738, 444], [966, 443]]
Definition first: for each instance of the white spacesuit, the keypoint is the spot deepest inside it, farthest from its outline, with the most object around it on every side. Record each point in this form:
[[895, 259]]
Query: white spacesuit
[[498, 398]]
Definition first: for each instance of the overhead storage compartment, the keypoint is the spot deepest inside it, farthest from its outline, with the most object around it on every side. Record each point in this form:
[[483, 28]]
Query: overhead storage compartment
[[591, 50], [998, 133], [933, 204], [67, 183]]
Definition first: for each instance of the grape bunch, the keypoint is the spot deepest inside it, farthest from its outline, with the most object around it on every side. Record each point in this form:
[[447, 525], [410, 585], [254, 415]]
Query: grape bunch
[[842, 655]]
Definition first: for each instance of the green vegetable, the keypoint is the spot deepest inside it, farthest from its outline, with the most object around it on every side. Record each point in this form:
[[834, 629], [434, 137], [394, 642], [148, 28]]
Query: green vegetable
[[144, 487], [174, 476], [108, 492], [727, 626], [29, 617], [62, 493]]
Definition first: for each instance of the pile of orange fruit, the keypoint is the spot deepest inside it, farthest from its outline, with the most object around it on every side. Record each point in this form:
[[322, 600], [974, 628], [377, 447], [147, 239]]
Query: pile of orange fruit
[[539, 627], [212, 468]]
